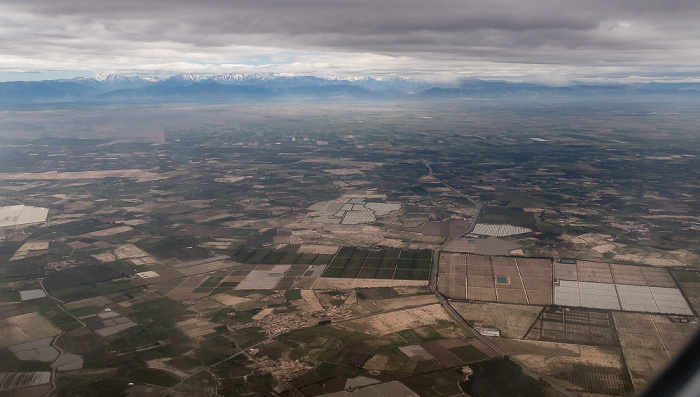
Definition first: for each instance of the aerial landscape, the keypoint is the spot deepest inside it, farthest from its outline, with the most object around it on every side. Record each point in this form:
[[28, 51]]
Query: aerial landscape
[[198, 228]]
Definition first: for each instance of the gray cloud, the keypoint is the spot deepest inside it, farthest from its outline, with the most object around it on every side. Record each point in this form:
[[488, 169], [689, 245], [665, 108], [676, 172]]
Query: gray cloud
[[528, 38]]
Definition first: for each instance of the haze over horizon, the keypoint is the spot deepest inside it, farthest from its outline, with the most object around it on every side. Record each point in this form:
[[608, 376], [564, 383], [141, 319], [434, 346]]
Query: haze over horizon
[[532, 40]]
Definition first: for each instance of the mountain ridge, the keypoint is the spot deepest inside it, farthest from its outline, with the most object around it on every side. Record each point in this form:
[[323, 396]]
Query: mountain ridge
[[254, 86]]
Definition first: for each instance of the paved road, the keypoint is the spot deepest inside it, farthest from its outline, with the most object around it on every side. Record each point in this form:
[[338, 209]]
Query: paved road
[[445, 303]]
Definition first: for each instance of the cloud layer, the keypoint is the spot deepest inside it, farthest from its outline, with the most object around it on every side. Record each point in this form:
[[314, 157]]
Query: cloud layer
[[528, 39]]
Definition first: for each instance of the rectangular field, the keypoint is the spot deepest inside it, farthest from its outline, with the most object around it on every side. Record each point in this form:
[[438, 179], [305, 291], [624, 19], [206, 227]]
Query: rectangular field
[[25, 328], [598, 272], [689, 283], [495, 278], [573, 325], [351, 262], [633, 298], [594, 272], [649, 341]]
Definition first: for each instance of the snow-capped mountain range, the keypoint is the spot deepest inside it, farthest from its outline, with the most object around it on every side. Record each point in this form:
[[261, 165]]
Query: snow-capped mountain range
[[111, 88], [116, 81]]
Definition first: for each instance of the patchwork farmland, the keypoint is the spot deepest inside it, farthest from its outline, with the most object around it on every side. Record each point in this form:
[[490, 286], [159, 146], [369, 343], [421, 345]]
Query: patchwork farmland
[[248, 257], [533, 281]]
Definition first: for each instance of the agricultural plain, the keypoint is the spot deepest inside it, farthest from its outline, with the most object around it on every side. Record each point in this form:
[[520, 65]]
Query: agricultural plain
[[301, 250]]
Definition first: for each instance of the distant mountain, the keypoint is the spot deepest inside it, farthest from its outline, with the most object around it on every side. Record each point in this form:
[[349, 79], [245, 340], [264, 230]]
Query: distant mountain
[[206, 91], [392, 84], [508, 90], [193, 87], [388, 84], [109, 82], [43, 91], [181, 80], [238, 78], [270, 80], [256, 87], [331, 91]]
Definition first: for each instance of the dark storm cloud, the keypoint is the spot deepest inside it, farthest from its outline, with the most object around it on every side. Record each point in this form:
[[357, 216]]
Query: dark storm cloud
[[157, 33]]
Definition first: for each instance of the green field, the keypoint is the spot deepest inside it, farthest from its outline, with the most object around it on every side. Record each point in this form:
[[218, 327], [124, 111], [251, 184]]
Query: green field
[[508, 215]]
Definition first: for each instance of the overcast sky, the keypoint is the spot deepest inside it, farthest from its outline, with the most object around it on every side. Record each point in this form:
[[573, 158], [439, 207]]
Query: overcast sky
[[526, 40]]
